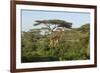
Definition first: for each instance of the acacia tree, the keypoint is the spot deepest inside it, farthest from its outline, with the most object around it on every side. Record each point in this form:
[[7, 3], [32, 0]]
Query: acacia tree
[[53, 24]]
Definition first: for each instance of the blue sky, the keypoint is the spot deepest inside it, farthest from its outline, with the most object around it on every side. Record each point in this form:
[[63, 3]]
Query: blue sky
[[28, 17]]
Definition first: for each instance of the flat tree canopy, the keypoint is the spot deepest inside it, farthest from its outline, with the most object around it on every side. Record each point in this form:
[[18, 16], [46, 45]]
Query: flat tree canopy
[[55, 22]]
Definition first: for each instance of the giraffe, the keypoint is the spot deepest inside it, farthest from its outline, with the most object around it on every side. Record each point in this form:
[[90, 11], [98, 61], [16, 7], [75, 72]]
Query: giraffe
[[56, 37]]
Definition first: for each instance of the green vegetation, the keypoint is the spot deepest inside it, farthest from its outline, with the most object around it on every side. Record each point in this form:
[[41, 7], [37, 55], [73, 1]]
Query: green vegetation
[[59, 43]]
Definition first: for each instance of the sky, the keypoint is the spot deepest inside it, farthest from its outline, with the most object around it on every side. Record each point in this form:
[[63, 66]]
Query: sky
[[28, 18]]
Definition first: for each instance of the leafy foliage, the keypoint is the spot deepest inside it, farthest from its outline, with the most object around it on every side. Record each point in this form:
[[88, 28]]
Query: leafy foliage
[[72, 45]]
